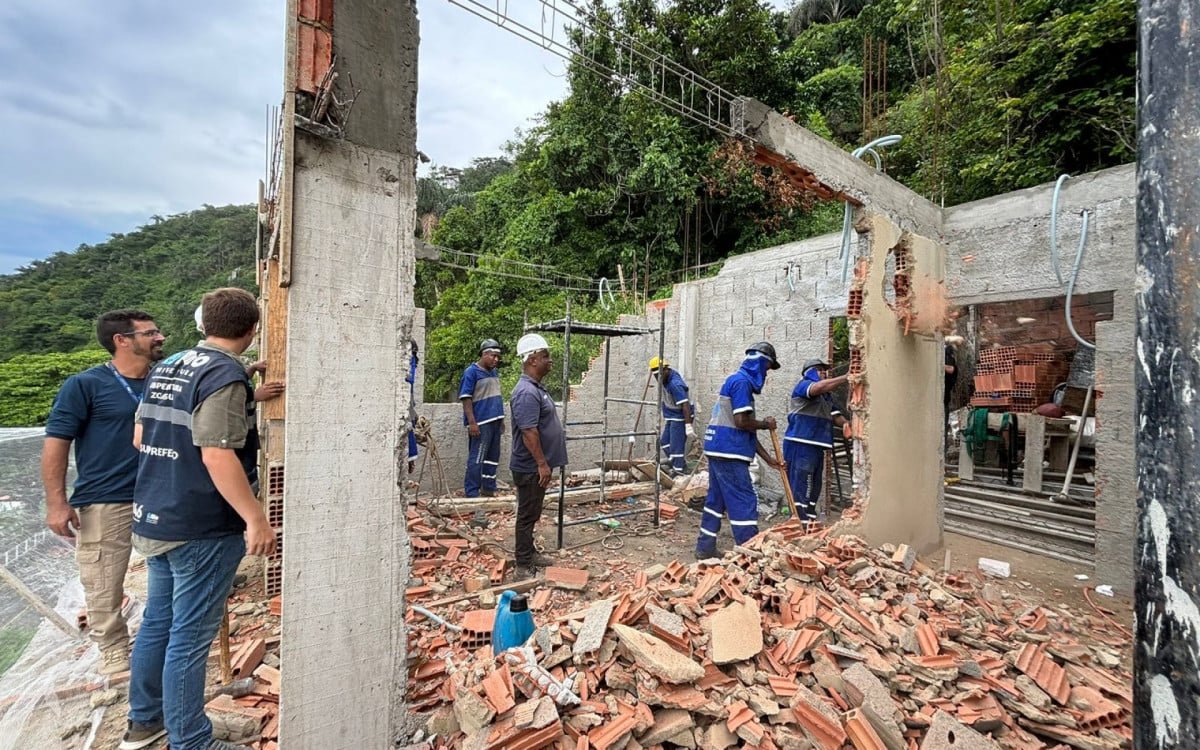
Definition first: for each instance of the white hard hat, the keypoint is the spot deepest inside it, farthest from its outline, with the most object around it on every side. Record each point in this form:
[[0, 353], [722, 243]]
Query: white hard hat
[[199, 318], [530, 343]]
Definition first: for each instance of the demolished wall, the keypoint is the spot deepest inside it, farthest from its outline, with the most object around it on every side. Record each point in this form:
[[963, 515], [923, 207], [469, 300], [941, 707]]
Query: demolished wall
[[996, 250]]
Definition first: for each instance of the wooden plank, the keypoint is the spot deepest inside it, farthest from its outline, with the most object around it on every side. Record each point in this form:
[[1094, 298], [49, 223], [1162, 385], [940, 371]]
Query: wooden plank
[[573, 497], [38, 605], [1035, 448]]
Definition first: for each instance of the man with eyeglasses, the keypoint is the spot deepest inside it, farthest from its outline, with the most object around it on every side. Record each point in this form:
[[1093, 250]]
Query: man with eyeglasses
[[94, 411]]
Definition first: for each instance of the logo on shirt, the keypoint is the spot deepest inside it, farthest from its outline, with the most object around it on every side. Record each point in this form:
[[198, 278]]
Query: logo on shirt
[[151, 450]]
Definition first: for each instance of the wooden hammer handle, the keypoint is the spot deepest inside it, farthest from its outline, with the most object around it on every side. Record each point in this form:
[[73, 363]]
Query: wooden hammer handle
[[787, 486]]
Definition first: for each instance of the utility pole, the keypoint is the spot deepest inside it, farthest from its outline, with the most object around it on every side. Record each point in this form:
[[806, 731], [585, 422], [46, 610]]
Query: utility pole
[[1167, 364]]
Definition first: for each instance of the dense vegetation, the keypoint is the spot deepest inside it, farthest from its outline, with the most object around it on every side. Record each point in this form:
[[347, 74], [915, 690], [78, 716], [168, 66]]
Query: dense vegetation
[[990, 96]]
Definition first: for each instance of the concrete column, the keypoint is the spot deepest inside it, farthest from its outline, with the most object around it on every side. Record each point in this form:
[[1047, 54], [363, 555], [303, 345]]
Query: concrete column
[[350, 316], [1166, 675], [346, 547]]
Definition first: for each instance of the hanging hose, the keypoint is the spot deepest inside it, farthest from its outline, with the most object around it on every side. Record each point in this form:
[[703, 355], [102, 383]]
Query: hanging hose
[[1079, 253], [602, 286], [847, 214], [1071, 284], [1054, 227], [448, 625]]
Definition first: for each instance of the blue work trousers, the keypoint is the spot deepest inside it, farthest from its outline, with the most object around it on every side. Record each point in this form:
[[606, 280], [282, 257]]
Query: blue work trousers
[[483, 459], [674, 441], [186, 592], [806, 469], [729, 492]]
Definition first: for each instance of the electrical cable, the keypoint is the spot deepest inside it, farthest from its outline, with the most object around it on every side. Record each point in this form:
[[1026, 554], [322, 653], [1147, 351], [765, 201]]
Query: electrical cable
[[848, 211], [1079, 253]]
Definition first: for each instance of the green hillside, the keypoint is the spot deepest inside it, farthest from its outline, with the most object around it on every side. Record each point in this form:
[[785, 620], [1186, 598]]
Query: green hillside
[[164, 267], [48, 309]]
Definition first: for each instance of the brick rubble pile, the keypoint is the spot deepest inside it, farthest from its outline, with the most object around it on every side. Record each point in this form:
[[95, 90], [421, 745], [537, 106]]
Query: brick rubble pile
[[792, 641]]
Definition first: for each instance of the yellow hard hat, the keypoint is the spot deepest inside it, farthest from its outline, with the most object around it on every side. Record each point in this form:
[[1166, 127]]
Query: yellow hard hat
[[656, 363]]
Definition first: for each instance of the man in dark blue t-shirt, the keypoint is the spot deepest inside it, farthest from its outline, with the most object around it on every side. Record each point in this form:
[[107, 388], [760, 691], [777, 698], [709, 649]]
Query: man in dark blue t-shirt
[[94, 410]]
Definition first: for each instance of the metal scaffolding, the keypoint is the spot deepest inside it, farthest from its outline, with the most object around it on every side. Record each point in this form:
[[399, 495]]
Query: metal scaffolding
[[567, 326]]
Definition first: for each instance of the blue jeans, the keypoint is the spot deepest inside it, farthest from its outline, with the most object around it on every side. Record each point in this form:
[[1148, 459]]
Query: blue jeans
[[806, 469], [483, 459], [187, 589]]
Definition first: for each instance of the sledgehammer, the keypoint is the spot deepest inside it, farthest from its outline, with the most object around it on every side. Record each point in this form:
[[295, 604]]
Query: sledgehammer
[[787, 486]]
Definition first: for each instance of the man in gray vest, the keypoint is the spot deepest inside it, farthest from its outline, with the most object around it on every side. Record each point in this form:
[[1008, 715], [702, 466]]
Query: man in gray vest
[[193, 502]]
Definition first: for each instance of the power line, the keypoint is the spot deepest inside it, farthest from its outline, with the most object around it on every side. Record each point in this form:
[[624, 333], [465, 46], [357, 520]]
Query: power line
[[672, 85], [495, 265]]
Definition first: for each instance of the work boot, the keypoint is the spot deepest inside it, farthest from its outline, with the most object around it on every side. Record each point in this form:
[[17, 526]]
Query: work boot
[[522, 572], [487, 493], [114, 660], [543, 561], [696, 504], [705, 551], [223, 745], [139, 736]]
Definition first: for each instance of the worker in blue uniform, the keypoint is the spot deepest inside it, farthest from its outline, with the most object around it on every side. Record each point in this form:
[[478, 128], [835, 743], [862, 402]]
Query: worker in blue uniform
[[730, 443], [676, 411], [411, 379], [811, 416], [483, 416]]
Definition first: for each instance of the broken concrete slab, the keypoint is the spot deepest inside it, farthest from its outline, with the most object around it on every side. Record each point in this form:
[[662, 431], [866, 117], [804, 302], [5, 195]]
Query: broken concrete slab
[[668, 722], [656, 657], [595, 625], [473, 713], [947, 733], [736, 632], [864, 688]]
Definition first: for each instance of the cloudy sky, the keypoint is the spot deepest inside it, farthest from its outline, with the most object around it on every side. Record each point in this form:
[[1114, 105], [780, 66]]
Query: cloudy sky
[[119, 110], [115, 111]]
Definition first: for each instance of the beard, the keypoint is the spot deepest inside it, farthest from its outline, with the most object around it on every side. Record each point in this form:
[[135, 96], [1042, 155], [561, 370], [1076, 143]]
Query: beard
[[152, 352]]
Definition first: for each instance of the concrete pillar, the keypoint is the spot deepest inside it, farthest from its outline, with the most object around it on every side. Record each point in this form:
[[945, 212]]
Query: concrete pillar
[[901, 420], [350, 315], [1166, 661]]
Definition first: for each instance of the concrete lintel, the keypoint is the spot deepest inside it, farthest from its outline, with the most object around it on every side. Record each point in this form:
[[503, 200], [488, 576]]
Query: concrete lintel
[[839, 171]]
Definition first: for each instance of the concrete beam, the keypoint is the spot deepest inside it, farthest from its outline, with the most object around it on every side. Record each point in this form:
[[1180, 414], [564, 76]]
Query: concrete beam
[[837, 170]]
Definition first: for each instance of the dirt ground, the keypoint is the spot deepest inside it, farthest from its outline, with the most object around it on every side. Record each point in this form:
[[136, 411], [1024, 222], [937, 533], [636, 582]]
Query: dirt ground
[[615, 554]]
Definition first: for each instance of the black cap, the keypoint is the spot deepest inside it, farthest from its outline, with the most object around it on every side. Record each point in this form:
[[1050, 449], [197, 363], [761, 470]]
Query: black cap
[[518, 604], [765, 348]]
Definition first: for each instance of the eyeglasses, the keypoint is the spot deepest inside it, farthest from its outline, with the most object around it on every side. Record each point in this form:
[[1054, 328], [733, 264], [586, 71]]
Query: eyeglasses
[[151, 333]]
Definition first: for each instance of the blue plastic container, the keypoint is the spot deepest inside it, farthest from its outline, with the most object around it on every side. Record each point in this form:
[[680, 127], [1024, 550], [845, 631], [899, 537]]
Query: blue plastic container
[[513, 624]]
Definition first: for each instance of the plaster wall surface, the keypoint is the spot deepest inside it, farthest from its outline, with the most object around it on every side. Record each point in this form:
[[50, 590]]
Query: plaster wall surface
[[903, 419]]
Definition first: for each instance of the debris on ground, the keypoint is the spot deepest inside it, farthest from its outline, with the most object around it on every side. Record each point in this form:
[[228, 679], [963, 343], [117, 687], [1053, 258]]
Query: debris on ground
[[790, 641]]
